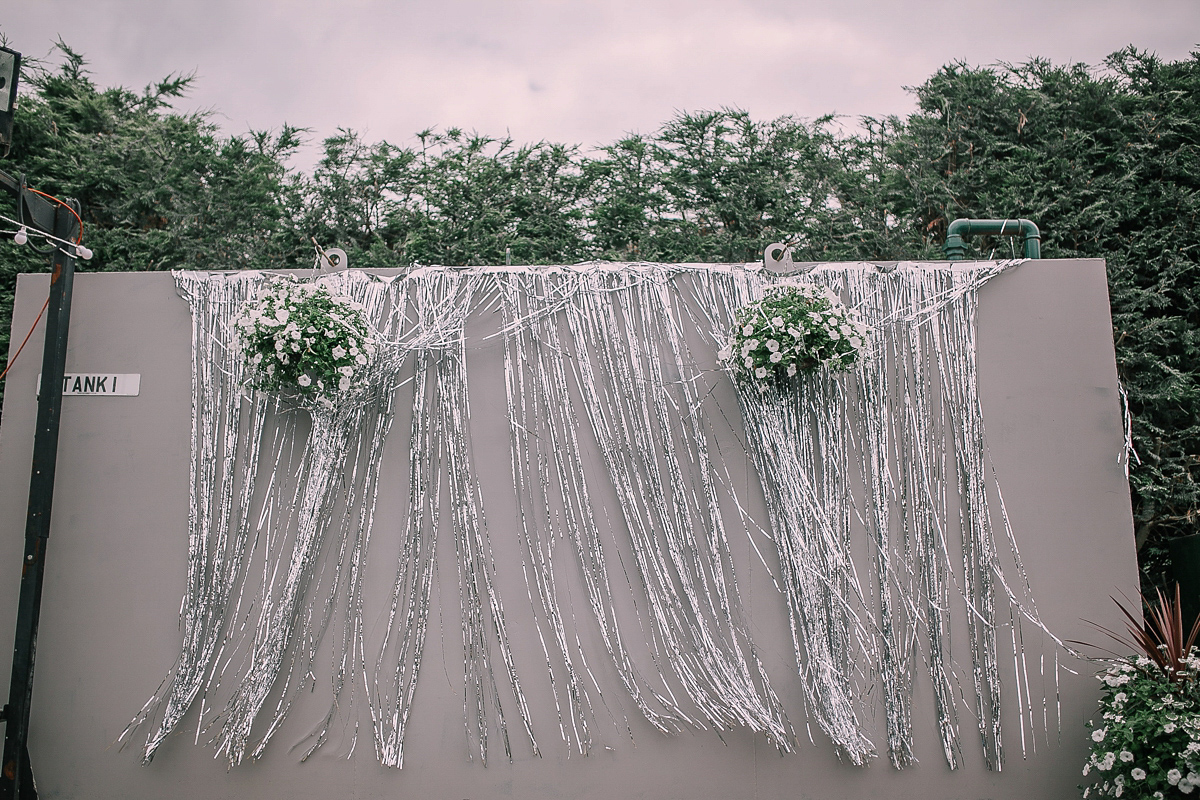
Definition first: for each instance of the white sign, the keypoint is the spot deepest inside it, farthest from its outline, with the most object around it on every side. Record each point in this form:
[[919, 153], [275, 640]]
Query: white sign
[[103, 383]]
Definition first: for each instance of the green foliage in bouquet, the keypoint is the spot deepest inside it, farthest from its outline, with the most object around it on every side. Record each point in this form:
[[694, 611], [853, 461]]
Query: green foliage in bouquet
[[300, 339], [793, 329], [1147, 744]]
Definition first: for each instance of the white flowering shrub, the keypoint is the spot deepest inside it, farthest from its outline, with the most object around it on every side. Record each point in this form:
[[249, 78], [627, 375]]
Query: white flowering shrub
[[794, 329], [300, 339], [1147, 743]]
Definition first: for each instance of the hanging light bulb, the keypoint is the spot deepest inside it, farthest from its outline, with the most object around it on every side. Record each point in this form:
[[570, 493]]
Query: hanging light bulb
[[21, 236], [82, 252]]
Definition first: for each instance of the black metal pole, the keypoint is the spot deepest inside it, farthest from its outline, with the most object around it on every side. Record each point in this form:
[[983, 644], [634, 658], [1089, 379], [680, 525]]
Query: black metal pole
[[16, 777]]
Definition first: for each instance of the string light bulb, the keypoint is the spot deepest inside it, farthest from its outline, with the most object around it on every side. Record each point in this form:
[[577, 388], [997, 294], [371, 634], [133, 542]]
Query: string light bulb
[[21, 236], [82, 252]]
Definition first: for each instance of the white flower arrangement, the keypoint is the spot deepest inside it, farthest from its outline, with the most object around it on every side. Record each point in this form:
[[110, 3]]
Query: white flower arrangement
[[1147, 743], [299, 338], [795, 328]]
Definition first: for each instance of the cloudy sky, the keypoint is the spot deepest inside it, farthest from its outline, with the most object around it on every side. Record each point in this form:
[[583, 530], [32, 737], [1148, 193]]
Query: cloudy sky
[[583, 72]]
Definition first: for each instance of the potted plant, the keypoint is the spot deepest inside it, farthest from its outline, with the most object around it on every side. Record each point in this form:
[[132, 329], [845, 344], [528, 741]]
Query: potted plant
[[1146, 743]]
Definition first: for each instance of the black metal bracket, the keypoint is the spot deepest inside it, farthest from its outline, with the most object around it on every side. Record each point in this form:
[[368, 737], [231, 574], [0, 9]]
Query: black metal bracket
[[10, 76], [32, 209]]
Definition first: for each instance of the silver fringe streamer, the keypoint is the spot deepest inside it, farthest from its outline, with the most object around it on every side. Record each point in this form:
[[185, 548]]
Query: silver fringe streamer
[[884, 468], [617, 343], [910, 418], [439, 451], [226, 453]]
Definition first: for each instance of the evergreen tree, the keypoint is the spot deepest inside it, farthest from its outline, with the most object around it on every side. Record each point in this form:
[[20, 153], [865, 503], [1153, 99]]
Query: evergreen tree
[[158, 189], [1107, 162], [1104, 160]]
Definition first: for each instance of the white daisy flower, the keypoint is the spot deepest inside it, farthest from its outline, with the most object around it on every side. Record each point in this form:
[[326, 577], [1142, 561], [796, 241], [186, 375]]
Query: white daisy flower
[[760, 373], [360, 359], [304, 380], [776, 357], [748, 330], [339, 351], [1138, 774], [772, 345], [343, 384]]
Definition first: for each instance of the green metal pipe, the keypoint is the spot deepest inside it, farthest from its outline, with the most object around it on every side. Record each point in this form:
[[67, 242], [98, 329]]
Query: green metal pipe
[[956, 248]]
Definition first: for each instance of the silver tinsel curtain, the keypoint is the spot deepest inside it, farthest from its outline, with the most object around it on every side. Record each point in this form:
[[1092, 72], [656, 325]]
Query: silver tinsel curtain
[[878, 490]]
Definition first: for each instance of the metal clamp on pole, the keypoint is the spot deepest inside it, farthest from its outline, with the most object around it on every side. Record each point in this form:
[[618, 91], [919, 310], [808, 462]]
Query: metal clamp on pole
[[956, 249]]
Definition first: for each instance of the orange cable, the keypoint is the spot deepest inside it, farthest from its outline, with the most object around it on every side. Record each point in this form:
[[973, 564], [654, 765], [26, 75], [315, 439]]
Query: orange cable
[[26, 340], [78, 239]]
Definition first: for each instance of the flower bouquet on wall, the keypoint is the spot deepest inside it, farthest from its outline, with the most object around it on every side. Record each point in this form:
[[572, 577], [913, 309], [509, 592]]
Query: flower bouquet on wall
[[302, 340], [794, 329]]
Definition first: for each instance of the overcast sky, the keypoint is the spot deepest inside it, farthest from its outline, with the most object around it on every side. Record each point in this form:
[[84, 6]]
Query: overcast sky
[[581, 72]]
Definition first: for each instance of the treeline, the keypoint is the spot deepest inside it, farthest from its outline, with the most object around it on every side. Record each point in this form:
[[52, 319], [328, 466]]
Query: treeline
[[1104, 159]]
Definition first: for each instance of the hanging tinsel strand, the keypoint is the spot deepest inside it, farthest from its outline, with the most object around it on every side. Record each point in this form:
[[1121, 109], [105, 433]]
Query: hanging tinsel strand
[[878, 488]]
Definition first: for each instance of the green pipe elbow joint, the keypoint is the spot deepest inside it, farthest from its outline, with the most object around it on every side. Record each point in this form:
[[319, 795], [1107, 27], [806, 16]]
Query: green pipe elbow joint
[[956, 248]]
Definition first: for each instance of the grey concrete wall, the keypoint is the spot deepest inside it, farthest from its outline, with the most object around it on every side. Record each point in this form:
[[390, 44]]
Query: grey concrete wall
[[116, 567]]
